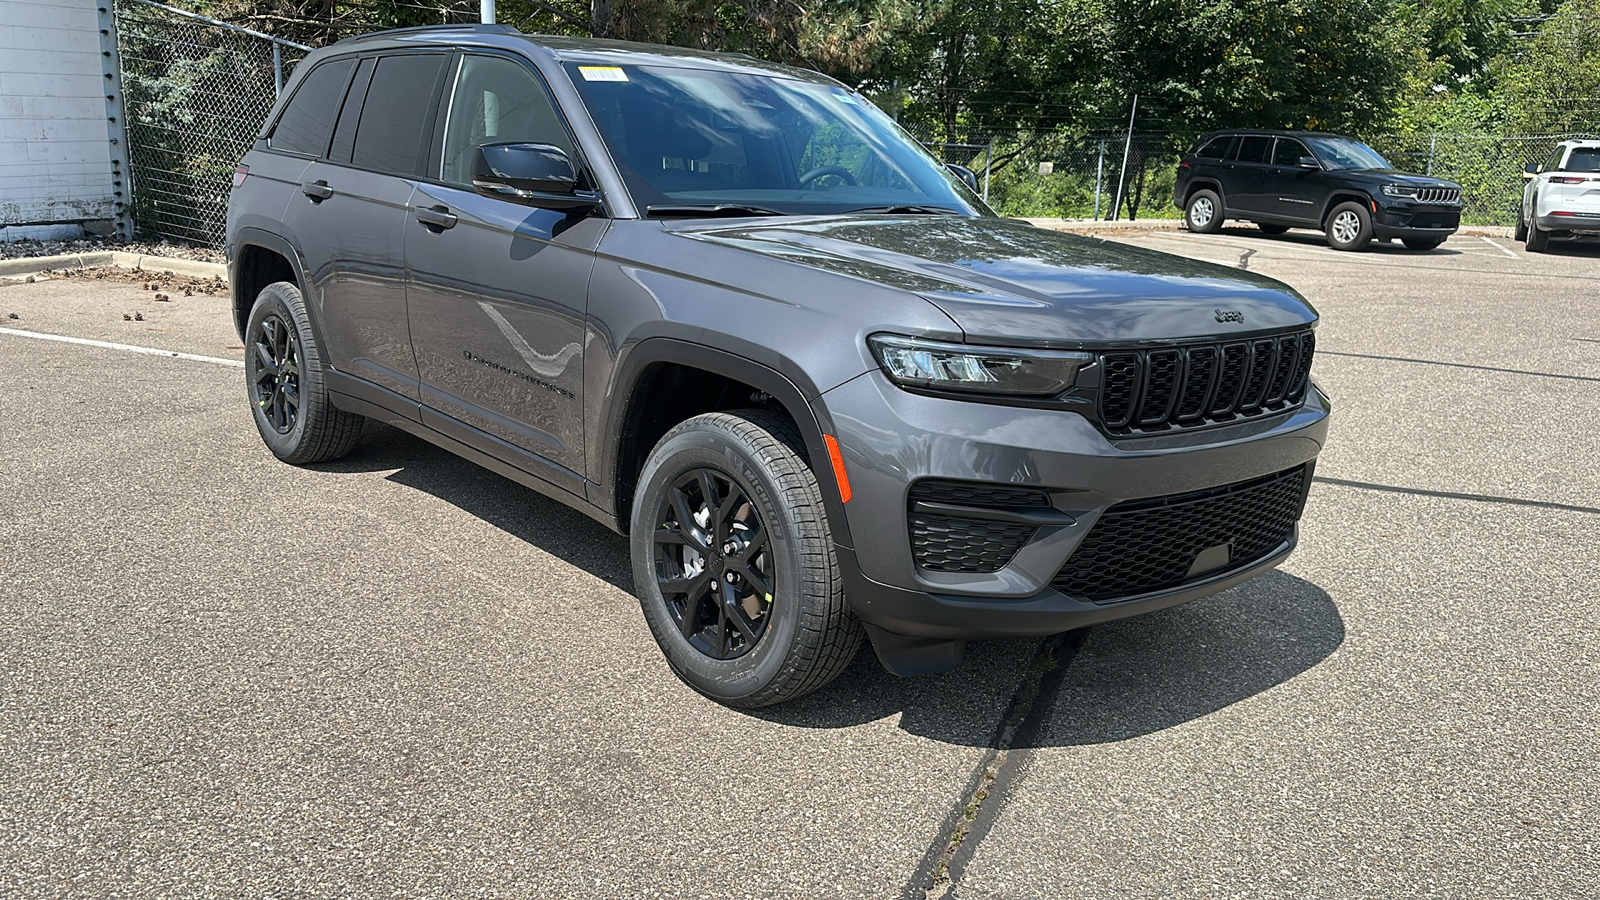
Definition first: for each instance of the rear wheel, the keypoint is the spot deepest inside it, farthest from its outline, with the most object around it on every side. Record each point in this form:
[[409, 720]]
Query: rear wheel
[[1422, 243], [284, 379], [734, 563], [1204, 212], [1538, 240], [1349, 227], [1272, 229]]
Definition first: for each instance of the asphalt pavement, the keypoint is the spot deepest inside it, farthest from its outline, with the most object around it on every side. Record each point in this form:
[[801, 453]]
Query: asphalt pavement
[[401, 675]]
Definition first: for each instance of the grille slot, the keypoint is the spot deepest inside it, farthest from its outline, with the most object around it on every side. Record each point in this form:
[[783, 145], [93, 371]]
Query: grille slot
[[1146, 545], [957, 544], [1147, 392]]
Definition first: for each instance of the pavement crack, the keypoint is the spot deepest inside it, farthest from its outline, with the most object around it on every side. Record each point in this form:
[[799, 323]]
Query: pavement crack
[[1017, 731]]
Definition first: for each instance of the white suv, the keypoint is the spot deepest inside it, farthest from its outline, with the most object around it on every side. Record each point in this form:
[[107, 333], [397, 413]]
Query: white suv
[[1562, 196]]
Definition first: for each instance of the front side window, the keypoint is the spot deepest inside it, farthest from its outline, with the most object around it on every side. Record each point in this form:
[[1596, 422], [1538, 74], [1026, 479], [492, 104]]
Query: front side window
[[496, 100], [682, 136], [1343, 153], [1288, 152], [307, 122], [389, 134]]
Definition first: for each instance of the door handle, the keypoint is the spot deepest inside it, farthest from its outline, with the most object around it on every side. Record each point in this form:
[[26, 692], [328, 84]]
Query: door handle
[[318, 191], [435, 217]]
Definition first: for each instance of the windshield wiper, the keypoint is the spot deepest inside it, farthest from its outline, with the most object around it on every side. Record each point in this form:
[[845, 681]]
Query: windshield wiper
[[710, 210], [909, 208]]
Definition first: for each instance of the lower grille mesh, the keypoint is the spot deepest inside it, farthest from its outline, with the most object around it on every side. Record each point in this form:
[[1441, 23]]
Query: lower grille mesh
[[947, 544], [1146, 545]]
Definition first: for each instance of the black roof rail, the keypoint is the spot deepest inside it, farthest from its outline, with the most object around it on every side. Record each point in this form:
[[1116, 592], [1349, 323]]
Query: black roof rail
[[478, 27]]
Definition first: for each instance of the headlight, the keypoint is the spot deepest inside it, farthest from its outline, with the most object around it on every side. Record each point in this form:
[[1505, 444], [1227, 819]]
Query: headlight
[[912, 362], [1400, 190]]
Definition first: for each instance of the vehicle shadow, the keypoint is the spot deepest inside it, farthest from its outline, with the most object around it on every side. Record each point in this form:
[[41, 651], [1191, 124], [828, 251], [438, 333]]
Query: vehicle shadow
[[1308, 238], [1126, 678], [1576, 247], [521, 512]]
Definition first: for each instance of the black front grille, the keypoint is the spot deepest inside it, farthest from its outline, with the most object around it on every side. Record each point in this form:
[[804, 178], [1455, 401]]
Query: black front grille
[[958, 544], [1151, 391], [1146, 545]]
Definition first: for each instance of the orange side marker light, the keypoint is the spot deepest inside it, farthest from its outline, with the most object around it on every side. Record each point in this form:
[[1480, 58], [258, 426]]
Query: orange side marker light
[[838, 468]]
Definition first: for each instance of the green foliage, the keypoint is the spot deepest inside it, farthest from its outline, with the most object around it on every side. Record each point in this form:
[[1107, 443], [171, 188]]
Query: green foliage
[[1553, 85]]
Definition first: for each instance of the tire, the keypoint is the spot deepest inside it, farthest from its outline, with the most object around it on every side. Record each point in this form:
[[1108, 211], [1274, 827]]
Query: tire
[[780, 627], [1422, 243], [1203, 214], [284, 381], [1538, 240], [1349, 227], [1272, 229], [1521, 234]]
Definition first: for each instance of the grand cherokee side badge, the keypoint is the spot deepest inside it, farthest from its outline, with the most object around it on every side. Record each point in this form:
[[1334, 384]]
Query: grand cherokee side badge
[[1230, 315]]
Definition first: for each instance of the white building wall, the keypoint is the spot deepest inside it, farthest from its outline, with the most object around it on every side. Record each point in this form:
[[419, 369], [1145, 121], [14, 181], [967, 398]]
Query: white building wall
[[55, 137]]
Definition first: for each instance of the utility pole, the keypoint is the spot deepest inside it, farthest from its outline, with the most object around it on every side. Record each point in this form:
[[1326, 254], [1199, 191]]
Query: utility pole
[[486, 11]]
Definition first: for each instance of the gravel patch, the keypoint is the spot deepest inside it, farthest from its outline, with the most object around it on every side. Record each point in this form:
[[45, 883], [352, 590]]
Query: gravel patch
[[29, 248]]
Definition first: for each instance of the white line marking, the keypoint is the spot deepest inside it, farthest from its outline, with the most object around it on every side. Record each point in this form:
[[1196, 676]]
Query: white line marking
[[1498, 247], [107, 345]]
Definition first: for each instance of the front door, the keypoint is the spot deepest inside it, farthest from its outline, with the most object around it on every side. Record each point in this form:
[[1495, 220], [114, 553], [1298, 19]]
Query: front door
[[1293, 193], [498, 289]]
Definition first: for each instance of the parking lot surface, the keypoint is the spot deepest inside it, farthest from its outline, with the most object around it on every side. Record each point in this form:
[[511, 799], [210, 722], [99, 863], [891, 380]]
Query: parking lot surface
[[401, 675]]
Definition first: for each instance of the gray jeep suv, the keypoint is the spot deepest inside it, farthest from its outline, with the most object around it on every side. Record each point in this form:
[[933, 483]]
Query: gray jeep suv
[[729, 309]]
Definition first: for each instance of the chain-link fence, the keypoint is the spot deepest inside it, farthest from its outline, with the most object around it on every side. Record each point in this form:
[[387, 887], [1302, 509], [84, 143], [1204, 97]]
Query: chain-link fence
[[195, 91], [1108, 175]]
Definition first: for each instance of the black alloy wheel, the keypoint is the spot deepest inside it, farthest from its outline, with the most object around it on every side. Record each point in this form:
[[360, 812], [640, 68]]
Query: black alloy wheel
[[713, 564], [275, 375]]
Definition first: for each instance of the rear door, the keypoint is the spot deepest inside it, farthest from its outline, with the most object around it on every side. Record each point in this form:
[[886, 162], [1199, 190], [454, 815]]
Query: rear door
[[351, 214], [1245, 181], [499, 289]]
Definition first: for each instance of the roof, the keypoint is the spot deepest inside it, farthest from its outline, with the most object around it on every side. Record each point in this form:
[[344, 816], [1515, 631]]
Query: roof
[[571, 49], [1273, 132]]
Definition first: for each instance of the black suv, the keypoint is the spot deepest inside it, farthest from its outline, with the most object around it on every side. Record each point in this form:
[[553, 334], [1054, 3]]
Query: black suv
[[1295, 179], [729, 309]]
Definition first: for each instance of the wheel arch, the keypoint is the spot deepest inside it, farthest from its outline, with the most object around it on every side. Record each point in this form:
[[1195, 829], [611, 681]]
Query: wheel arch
[[261, 258], [1345, 196], [716, 380], [1206, 183]]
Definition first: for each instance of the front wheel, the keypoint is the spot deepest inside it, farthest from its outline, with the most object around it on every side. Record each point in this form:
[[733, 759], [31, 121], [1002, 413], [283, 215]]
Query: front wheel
[[734, 562], [1422, 243], [1204, 212], [1349, 227], [284, 379]]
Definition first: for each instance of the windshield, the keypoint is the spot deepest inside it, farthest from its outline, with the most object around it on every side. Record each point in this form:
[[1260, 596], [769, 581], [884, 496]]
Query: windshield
[[695, 137], [1343, 153]]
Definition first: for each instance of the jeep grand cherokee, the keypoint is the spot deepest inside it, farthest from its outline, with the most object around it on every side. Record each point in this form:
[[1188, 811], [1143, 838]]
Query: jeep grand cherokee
[[729, 309]]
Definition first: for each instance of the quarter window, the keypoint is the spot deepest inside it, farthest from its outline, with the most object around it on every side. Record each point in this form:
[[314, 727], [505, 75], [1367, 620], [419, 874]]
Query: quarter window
[[389, 135], [1216, 149], [307, 122], [496, 101]]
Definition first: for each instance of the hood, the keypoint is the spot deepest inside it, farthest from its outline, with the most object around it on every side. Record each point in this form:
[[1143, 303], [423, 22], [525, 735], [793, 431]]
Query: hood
[[1006, 282], [1395, 176]]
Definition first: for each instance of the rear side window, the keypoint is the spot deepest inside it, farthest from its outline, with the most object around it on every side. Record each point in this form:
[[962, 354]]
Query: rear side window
[[1254, 149], [389, 137], [307, 121], [1583, 159], [1216, 149]]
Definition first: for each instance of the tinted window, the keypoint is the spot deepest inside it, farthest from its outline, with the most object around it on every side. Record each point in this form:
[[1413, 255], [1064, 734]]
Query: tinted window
[[496, 101], [1254, 149], [344, 135], [1217, 149], [1584, 159], [1288, 152], [1554, 162], [389, 137], [307, 121]]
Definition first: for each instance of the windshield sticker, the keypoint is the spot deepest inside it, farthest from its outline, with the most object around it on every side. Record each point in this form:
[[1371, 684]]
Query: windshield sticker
[[602, 73], [842, 97]]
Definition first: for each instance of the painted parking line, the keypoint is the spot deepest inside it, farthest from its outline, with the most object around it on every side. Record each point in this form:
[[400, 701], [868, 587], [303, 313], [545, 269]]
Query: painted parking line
[[126, 348], [1500, 248]]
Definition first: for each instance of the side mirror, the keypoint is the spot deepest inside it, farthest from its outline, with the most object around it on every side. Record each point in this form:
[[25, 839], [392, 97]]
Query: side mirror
[[967, 176], [537, 174], [1530, 170], [1309, 162]]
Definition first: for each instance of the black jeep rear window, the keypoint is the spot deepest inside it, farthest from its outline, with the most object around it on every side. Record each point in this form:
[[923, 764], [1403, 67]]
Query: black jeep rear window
[[1216, 149], [307, 121]]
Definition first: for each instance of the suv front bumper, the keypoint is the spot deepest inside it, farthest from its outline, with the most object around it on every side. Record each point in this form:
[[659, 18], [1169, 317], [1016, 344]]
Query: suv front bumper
[[1416, 220], [891, 439]]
